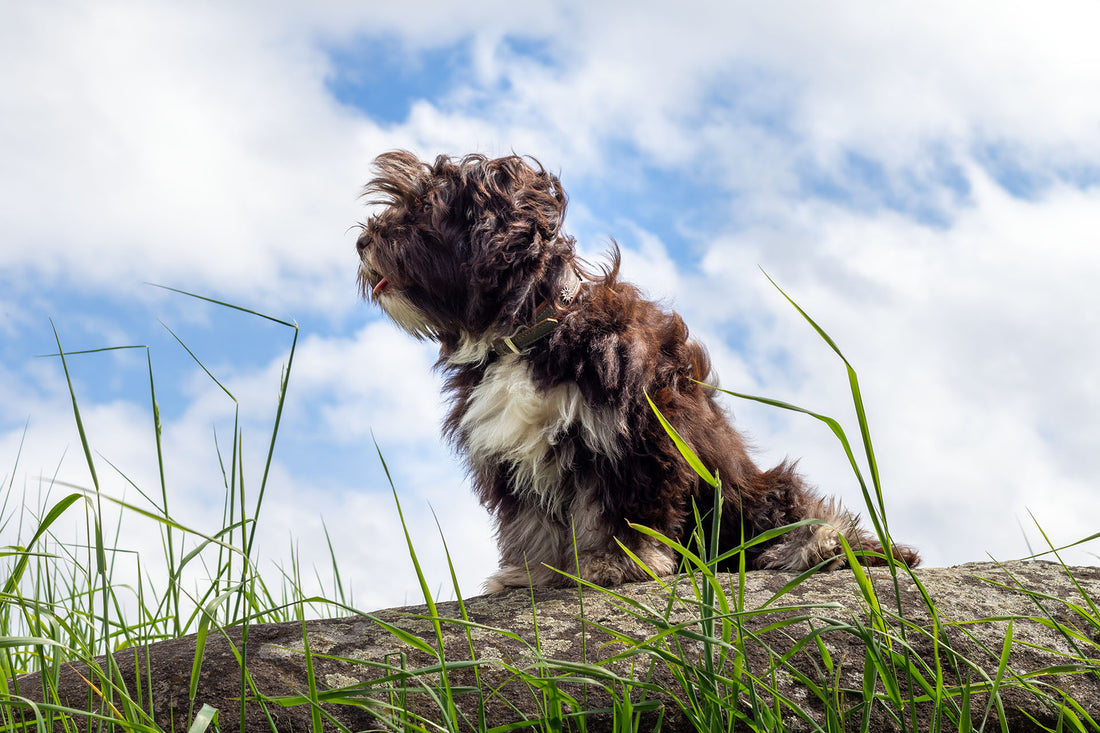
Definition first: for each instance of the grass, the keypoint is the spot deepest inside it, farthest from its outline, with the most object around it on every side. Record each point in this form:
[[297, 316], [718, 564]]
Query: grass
[[705, 652]]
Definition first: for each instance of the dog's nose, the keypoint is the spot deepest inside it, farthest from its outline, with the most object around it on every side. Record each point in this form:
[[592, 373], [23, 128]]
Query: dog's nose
[[361, 243]]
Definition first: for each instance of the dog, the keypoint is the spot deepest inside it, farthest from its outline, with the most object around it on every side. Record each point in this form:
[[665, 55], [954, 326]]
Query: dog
[[550, 366]]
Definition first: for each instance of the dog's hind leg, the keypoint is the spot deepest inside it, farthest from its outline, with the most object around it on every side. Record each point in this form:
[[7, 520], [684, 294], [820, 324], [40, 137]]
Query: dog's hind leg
[[779, 497], [812, 544]]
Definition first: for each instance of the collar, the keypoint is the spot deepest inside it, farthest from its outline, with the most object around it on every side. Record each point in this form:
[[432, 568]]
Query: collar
[[545, 319]]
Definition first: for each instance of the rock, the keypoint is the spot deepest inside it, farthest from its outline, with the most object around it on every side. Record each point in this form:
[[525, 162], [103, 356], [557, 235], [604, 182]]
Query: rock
[[976, 604]]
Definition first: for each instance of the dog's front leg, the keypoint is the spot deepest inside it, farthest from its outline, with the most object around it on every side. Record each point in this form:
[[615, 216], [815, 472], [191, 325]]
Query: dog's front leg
[[537, 549], [532, 543]]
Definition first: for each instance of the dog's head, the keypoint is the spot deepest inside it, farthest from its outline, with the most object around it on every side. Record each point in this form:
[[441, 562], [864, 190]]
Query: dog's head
[[462, 248]]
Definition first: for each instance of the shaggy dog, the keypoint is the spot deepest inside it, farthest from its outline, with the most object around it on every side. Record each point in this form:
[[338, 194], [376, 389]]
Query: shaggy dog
[[549, 365]]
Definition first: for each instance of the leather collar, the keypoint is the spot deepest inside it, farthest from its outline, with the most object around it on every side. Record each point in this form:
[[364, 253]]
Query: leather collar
[[545, 319]]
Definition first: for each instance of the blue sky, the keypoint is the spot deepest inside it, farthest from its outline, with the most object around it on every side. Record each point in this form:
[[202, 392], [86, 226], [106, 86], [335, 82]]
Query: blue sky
[[924, 179]]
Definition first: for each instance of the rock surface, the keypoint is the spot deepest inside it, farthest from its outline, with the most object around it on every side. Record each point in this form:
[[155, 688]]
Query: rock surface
[[354, 651]]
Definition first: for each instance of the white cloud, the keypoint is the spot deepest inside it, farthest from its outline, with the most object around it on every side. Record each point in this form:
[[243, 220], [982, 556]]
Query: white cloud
[[199, 146], [749, 93], [154, 143], [969, 343]]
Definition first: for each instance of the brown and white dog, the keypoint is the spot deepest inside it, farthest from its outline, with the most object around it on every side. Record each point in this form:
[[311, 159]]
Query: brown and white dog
[[548, 365]]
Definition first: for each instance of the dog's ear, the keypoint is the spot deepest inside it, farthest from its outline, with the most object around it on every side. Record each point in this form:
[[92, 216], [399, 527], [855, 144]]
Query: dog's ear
[[514, 210], [511, 197], [401, 178], [535, 194], [523, 205]]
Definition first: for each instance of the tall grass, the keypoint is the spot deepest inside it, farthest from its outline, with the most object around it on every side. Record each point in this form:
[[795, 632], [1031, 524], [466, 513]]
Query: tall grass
[[63, 601]]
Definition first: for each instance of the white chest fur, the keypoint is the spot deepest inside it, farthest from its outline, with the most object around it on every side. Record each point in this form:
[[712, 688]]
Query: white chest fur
[[510, 420]]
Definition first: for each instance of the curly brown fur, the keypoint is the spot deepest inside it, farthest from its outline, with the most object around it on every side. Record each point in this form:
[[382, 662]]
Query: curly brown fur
[[561, 444]]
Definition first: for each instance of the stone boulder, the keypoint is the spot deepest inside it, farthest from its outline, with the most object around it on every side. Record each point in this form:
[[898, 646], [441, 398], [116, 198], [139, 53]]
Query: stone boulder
[[581, 649]]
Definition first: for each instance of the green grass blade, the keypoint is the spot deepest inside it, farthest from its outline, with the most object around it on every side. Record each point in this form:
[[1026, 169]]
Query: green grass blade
[[51, 517], [683, 447], [208, 615], [204, 719], [1002, 664], [224, 304], [101, 560], [428, 599]]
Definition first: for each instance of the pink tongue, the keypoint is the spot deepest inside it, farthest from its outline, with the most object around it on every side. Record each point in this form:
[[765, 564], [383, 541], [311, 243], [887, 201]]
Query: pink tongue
[[379, 287]]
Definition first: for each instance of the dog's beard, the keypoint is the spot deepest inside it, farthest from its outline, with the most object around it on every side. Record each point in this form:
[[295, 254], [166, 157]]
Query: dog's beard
[[407, 316], [395, 305]]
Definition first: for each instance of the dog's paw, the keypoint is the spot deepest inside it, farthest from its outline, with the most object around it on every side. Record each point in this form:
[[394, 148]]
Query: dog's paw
[[607, 570], [804, 548], [615, 567]]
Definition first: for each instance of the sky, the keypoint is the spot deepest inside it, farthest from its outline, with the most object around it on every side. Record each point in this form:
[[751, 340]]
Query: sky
[[922, 178]]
